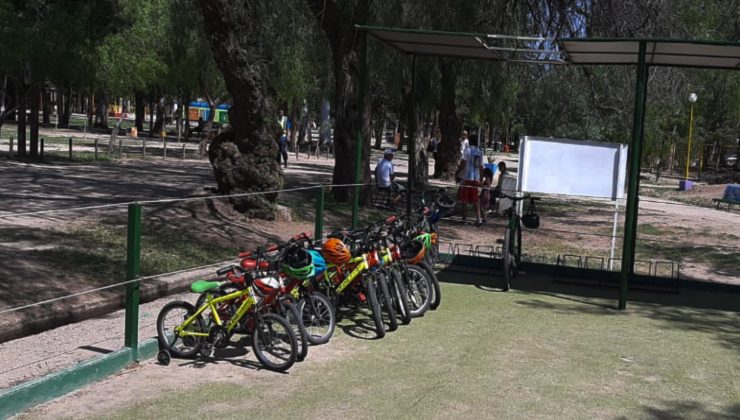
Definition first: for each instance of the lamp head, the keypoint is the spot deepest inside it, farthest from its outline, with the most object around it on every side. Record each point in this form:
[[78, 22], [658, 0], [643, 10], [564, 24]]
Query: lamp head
[[693, 97]]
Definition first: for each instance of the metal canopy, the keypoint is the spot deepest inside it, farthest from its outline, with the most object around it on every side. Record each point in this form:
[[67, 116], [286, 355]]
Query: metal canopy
[[658, 52], [466, 45], [612, 51], [642, 53]]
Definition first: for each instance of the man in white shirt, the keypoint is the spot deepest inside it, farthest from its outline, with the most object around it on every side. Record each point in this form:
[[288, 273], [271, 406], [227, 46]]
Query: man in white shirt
[[384, 177], [464, 143], [468, 173]]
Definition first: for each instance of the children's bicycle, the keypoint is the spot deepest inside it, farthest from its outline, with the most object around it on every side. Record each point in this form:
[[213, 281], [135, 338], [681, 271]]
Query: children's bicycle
[[512, 243], [184, 330]]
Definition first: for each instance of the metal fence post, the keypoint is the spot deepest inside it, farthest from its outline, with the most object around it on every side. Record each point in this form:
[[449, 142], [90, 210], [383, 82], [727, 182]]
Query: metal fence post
[[319, 225], [96, 149], [143, 147], [183, 152], [70, 148], [133, 264], [120, 148], [164, 149], [41, 154], [11, 147]]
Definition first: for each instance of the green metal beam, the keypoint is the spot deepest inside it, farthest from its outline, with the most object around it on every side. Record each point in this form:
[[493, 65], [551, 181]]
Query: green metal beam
[[360, 123], [319, 222], [133, 264], [412, 138], [635, 157]]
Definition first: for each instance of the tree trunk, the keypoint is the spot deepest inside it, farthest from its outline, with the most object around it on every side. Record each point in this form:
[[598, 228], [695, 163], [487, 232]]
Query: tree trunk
[[139, 111], [34, 123], [47, 106], [22, 104], [448, 152], [379, 133], [159, 124], [101, 111], [151, 116], [65, 110], [346, 45], [243, 158], [90, 107], [186, 104]]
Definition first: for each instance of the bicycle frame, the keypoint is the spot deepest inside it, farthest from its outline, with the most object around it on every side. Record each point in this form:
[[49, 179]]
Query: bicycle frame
[[212, 303], [362, 265]]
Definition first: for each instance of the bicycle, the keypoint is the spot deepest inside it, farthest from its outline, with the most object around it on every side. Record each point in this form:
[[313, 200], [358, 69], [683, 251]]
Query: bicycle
[[512, 242], [188, 334]]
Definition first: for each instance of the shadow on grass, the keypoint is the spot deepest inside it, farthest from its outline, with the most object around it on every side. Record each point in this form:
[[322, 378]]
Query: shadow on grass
[[690, 410]]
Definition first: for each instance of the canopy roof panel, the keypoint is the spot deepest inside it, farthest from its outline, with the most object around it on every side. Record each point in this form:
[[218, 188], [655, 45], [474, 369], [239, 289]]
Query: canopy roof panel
[[659, 52]]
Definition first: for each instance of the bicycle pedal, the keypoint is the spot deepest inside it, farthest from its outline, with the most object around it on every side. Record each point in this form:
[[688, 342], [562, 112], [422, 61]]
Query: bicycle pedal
[[361, 296]]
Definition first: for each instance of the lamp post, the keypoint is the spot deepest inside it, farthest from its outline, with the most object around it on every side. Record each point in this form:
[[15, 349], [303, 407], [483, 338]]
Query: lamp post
[[692, 100]]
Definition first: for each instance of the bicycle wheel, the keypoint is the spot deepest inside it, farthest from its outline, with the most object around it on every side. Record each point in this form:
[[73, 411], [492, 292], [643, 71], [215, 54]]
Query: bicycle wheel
[[436, 290], [294, 319], [273, 342], [372, 301], [386, 301], [509, 263], [173, 315], [400, 296], [318, 317], [418, 289]]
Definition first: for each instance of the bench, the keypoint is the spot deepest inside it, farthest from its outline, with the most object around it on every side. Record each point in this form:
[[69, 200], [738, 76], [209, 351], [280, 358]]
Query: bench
[[730, 196]]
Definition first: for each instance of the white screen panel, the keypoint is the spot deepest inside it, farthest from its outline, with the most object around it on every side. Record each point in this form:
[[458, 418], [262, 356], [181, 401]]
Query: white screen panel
[[572, 167]]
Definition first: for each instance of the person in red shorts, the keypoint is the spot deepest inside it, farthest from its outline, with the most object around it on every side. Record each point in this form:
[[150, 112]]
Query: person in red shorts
[[468, 172]]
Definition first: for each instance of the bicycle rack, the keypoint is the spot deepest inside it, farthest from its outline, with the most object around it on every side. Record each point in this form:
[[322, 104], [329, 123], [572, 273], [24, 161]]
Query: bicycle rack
[[563, 260], [599, 261], [668, 263], [483, 250]]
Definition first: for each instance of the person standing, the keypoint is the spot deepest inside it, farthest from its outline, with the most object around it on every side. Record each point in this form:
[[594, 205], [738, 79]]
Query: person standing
[[385, 178], [283, 136], [464, 143], [468, 173]]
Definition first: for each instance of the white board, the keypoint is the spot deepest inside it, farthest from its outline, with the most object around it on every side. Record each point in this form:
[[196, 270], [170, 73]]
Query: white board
[[572, 167]]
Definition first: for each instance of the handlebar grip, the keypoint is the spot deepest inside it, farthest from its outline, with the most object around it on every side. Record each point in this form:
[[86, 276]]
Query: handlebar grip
[[391, 219], [245, 254], [222, 271], [300, 236], [272, 247]]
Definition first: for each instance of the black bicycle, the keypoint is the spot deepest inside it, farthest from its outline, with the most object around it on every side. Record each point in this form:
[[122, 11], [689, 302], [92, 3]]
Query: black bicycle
[[511, 248]]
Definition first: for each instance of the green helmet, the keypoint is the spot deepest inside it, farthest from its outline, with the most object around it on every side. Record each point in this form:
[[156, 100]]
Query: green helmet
[[426, 239], [298, 264]]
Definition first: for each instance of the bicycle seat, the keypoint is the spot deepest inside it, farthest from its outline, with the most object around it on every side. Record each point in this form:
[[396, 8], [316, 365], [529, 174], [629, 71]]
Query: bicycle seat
[[201, 286]]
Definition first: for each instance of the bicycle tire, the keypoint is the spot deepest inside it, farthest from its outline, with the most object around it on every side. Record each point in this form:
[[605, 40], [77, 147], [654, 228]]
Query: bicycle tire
[[372, 301], [418, 289], [294, 319], [318, 316], [436, 289], [189, 346], [386, 301], [508, 258], [400, 296], [264, 337]]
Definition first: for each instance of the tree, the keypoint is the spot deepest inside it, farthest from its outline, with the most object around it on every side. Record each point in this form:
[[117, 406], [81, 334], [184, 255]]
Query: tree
[[243, 159], [337, 20]]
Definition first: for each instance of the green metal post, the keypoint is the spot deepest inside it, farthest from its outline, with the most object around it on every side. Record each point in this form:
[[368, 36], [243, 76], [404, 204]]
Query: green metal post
[[635, 157], [319, 226], [360, 124], [412, 138], [133, 264]]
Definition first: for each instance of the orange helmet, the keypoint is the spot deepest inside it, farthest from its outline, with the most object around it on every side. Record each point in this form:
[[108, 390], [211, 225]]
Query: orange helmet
[[335, 251]]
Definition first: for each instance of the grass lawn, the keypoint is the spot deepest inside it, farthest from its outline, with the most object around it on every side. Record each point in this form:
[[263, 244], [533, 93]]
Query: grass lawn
[[531, 353]]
